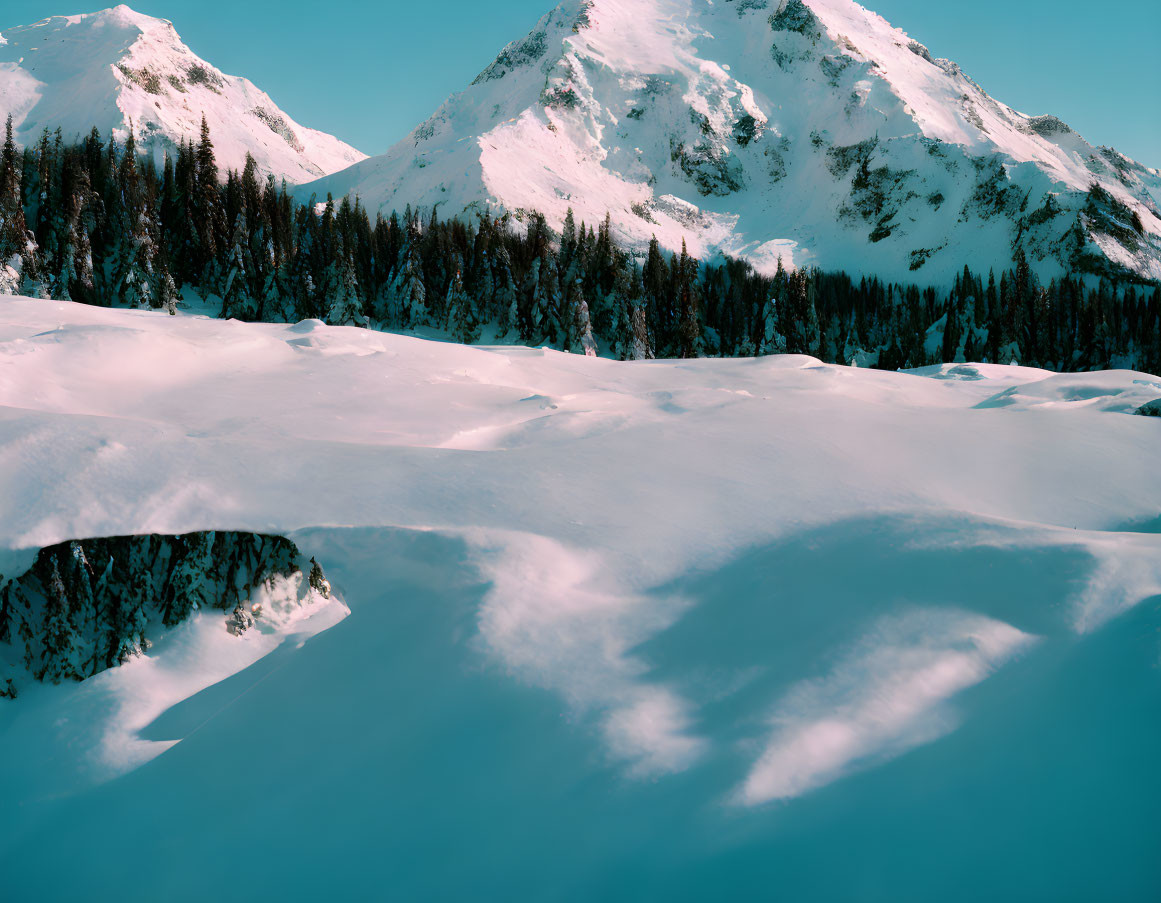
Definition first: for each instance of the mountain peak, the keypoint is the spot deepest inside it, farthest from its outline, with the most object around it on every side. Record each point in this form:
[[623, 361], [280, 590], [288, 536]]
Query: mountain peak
[[117, 66], [123, 14], [808, 130], [121, 17]]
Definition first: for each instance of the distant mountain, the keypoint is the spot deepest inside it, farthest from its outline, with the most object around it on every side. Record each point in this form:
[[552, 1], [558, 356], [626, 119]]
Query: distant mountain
[[117, 67], [806, 129]]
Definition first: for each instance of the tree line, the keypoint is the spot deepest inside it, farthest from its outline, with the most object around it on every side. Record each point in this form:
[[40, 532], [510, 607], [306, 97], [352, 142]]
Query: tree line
[[98, 223]]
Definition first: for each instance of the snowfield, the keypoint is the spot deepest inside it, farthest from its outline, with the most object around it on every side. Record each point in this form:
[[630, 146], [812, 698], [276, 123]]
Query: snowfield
[[655, 630]]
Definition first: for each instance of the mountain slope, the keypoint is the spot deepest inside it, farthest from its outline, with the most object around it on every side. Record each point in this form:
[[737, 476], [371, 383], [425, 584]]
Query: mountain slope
[[811, 130], [117, 67]]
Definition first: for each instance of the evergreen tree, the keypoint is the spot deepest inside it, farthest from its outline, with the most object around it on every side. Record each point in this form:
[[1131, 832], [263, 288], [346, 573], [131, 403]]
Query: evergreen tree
[[167, 294], [506, 297], [543, 323], [17, 248], [803, 334], [408, 296], [773, 340], [641, 347], [461, 321], [135, 243], [209, 215], [347, 306], [690, 329], [655, 295], [237, 302]]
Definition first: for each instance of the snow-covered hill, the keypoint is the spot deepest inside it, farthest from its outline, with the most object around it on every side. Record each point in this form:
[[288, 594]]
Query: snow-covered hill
[[677, 630], [807, 129], [115, 67]]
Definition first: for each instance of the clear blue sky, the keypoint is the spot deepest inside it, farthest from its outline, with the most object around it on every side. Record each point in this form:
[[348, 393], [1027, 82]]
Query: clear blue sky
[[370, 71]]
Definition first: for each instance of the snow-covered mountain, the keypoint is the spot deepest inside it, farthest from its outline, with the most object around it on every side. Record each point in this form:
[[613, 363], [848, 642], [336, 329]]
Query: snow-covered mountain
[[117, 67], [810, 129]]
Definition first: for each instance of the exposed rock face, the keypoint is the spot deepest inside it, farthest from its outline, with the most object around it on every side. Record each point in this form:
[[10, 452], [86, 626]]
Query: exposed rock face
[[1151, 409], [88, 605]]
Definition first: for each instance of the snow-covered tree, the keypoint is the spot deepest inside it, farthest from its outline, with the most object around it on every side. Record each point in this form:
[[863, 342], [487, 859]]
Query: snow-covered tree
[[347, 306], [505, 294], [17, 245], [237, 301], [690, 332], [461, 319]]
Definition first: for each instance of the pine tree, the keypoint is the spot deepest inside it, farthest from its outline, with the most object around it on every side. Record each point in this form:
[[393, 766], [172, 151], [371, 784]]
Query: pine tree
[[641, 343], [655, 296], [461, 319], [67, 274], [347, 309], [17, 248], [582, 326], [237, 302], [773, 340], [136, 246], [272, 304], [506, 296], [617, 325], [209, 215], [543, 321], [803, 335], [408, 294], [568, 244], [167, 294], [689, 336]]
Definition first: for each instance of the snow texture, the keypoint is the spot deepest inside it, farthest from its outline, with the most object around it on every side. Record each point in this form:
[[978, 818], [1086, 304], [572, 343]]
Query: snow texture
[[652, 630]]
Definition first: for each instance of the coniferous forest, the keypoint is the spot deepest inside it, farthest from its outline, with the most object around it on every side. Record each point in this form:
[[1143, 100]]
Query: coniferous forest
[[97, 223]]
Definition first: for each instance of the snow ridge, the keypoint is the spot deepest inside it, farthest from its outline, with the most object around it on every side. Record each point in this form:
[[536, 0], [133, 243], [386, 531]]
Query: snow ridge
[[118, 68]]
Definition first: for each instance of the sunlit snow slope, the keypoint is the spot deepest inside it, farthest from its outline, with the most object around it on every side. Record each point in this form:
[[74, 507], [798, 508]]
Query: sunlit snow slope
[[807, 129], [117, 68], [748, 629]]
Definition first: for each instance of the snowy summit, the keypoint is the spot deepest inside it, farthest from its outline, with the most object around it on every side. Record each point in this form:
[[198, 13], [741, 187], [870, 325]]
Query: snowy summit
[[117, 69], [807, 129]]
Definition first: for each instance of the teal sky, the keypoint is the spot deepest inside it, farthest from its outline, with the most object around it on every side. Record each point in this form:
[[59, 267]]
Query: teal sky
[[370, 71]]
